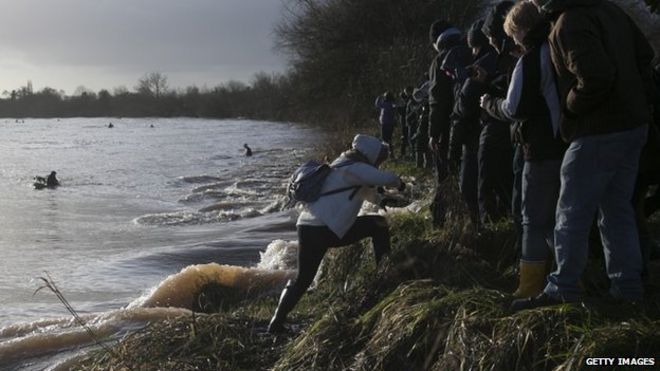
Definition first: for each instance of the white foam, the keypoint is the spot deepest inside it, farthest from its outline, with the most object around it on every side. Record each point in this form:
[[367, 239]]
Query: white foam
[[57, 335], [180, 289], [279, 254]]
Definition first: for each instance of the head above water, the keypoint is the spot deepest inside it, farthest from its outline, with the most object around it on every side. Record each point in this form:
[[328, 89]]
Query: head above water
[[372, 148]]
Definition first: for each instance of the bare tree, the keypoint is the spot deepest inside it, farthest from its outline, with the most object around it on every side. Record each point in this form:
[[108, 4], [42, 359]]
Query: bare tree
[[647, 20], [153, 84], [82, 90]]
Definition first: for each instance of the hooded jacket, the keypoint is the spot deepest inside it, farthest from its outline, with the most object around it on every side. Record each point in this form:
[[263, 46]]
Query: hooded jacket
[[603, 68], [339, 211]]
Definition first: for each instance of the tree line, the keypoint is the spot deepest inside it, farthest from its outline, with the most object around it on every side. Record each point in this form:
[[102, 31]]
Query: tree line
[[151, 97], [341, 53]]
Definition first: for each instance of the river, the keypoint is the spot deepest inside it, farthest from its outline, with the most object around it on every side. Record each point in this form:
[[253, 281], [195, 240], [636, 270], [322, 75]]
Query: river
[[137, 204]]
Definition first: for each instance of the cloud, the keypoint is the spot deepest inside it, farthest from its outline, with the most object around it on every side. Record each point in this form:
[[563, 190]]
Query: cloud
[[137, 36]]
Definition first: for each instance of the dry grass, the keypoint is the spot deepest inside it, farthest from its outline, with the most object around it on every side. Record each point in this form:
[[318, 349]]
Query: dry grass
[[439, 302]]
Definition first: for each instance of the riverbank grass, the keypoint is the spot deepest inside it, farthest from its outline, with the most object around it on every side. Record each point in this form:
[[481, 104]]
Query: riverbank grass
[[439, 301]]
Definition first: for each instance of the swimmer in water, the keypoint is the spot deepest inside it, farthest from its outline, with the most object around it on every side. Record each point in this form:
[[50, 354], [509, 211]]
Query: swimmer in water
[[52, 180], [248, 151]]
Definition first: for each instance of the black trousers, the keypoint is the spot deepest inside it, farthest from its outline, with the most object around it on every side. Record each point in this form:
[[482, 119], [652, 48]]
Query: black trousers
[[495, 173], [469, 180], [314, 242], [516, 196]]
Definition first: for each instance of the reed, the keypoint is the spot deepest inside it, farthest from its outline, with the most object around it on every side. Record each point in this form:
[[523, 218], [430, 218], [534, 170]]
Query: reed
[[439, 301]]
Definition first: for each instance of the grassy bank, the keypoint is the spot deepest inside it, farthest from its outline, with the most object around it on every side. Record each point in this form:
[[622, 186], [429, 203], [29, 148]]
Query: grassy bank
[[439, 302]]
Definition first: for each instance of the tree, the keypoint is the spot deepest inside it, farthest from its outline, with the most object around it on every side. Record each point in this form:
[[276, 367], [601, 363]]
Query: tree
[[153, 84], [120, 91], [646, 20], [82, 90], [342, 52]]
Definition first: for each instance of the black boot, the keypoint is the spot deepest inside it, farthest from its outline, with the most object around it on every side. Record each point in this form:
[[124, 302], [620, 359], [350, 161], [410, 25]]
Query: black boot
[[288, 299], [380, 250], [380, 239]]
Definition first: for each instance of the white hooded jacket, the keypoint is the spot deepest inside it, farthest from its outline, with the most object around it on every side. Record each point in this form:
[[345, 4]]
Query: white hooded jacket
[[338, 211]]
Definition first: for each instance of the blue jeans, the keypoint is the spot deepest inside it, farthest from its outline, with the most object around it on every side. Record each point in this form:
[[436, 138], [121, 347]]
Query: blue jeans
[[540, 190], [598, 175]]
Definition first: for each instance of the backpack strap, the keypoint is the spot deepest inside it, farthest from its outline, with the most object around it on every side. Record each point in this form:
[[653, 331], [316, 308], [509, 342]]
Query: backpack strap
[[343, 189], [355, 188]]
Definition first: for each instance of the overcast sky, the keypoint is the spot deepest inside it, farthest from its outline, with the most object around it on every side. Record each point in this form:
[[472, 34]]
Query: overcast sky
[[109, 43]]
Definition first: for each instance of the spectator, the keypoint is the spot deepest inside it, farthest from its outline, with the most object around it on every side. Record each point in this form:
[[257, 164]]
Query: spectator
[[495, 150], [387, 117], [467, 127], [446, 74], [532, 100], [603, 71], [406, 97], [420, 138]]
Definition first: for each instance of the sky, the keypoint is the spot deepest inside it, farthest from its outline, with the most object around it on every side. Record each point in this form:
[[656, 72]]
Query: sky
[[104, 44]]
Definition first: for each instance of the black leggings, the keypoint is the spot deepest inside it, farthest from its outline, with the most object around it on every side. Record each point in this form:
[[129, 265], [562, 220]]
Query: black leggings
[[314, 241]]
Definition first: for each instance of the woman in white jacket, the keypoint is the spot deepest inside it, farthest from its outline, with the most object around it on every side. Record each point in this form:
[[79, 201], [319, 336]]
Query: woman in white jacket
[[333, 221]]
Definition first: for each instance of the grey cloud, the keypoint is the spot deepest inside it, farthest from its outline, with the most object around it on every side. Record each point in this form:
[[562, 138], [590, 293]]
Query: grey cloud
[[141, 35]]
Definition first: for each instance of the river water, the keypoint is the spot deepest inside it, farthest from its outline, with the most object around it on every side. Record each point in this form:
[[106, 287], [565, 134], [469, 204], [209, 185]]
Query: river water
[[138, 203]]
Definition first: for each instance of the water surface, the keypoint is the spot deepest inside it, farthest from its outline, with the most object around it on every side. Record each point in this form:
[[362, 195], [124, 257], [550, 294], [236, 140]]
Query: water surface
[[137, 204]]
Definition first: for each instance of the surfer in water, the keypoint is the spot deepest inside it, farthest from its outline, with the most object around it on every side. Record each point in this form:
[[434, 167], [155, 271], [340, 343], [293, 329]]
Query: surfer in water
[[52, 181], [333, 221], [248, 150], [46, 182]]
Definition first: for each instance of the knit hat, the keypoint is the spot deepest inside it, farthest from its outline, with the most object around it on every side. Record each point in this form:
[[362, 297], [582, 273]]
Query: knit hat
[[494, 23], [437, 28], [475, 36]]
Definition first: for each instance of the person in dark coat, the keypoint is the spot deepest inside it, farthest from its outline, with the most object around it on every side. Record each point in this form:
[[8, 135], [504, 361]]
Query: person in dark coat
[[532, 100], [602, 62], [446, 74], [420, 118], [495, 149], [468, 115], [406, 98], [387, 117]]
